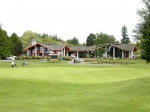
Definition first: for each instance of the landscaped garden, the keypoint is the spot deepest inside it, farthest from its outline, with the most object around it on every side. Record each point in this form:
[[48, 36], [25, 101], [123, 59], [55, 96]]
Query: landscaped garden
[[61, 87]]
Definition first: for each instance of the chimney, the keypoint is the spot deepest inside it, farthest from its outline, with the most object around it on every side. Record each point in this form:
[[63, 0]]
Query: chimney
[[33, 41]]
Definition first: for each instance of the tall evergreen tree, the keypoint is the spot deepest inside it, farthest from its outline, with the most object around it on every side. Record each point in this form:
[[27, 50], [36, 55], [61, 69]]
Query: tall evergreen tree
[[125, 39], [17, 47], [143, 31], [5, 48], [90, 39]]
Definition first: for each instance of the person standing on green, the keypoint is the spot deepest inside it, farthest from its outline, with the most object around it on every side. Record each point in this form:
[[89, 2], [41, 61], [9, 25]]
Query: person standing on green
[[12, 64]]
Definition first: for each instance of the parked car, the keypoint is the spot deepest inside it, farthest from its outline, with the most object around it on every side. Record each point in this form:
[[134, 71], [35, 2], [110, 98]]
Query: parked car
[[11, 58]]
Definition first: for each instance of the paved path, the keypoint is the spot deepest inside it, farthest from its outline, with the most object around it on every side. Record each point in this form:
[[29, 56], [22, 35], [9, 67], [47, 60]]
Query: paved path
[[91, 64]]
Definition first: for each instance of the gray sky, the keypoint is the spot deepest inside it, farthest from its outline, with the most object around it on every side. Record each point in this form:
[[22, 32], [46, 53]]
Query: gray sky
[[69, 18]]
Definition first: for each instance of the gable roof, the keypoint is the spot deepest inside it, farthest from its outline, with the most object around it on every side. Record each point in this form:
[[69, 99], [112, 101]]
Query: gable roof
[[125, 47], [48, 46], [58, 46], [82, 48]]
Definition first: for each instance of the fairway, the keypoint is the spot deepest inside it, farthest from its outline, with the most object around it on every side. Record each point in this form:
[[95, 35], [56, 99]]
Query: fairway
[[62, 87]]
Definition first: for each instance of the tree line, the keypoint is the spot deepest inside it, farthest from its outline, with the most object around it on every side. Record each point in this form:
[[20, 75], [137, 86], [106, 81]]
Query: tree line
[[9, 45], [13, 45], [142, 31]]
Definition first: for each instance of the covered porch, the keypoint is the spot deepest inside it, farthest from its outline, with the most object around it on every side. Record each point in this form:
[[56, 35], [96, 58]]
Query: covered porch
[[82, 51], [122, 50]]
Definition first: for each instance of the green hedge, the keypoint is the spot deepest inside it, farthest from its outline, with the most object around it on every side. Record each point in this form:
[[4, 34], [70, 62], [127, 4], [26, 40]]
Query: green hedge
[[32, 57], [67, 58]]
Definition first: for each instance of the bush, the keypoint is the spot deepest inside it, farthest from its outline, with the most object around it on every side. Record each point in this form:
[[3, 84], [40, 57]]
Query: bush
[[30, 57], [89, 59], [67, 58]]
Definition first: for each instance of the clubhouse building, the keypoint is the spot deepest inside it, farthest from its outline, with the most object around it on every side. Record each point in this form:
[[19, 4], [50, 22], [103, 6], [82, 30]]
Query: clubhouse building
[[113, 50]]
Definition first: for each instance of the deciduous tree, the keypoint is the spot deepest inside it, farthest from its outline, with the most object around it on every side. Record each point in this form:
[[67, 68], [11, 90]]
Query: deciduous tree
[[73, 41], [28, 36], [103, 38], [99, 51]]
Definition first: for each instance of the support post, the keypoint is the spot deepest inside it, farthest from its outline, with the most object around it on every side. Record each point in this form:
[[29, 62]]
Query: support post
[[35, 51], [64, 52], [122, 54], [77, 55], [114, 52]]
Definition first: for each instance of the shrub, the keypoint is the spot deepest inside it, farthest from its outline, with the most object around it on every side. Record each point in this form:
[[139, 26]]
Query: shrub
[[31, 57], [67, 58], [89, 59]]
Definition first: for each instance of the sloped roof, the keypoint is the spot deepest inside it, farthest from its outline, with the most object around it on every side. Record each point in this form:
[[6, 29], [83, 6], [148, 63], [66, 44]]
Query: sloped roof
[[82, 48], [49, 46], [58, 46], [125, 47], [27, 47]]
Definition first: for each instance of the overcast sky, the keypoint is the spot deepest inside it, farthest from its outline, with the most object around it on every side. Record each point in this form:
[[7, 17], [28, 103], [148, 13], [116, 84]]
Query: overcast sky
[[69, 18]]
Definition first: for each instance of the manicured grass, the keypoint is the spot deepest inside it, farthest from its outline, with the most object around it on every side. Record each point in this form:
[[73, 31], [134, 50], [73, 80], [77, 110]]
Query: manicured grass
[[62, 87]]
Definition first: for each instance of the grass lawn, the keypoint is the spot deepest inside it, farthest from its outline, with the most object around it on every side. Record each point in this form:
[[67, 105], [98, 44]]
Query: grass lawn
[[62, 87]]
